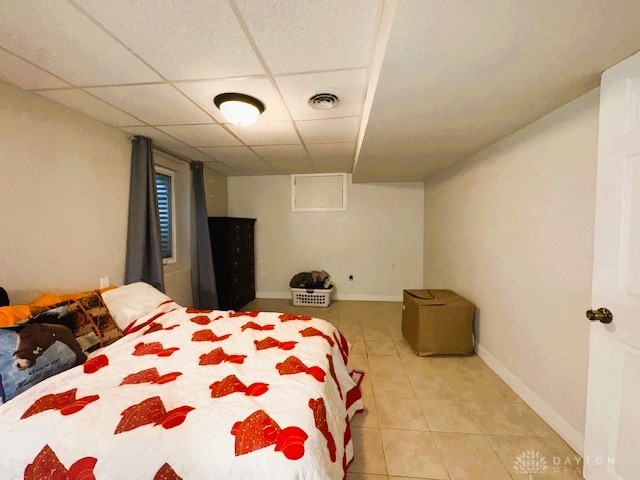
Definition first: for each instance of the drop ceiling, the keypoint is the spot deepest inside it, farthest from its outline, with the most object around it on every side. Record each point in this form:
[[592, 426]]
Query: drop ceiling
[[425, 83], [152, 68]]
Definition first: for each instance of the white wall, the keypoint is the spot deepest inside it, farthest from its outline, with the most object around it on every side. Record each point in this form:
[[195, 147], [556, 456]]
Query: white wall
[[378, 240], [215, 185], [512, 230], [64, 191]]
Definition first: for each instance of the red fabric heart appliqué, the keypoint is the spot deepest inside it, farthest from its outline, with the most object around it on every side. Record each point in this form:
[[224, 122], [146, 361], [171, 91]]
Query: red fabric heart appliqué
[[196, 310], [151, 411], [243, 314], [314, 332], [259, 431], [47, 466], [290, 317], [166, 473], [293, 365], [217, 356], [231, 384], [320, 418], [150, 375], [255, 326], [132, 327], [332, 372], [270, 342], [208, 336], [153, 348], [201, 320], [66, 403], [156, 327], [95, 364]]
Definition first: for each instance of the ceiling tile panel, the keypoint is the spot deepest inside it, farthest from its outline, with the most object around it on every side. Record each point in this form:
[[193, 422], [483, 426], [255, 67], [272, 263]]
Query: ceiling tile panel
[[190, 153], [23, 74], [323, 150], [350, 84], [56, 36], [211, 135], [154, 104], [308, 35], [329, 131], [334, 164], [231, 154], [192, 39], [267, 133], [281, 152], [251, 168], [303, 165], [94, 107], [159, 138], [220, 168], [261, 88]]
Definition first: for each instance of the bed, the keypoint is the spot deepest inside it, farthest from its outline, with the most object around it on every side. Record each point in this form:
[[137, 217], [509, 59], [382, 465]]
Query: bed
[[192, 394]]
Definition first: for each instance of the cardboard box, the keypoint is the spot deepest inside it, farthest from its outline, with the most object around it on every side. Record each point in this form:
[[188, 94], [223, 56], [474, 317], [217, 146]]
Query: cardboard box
[[438, 322]]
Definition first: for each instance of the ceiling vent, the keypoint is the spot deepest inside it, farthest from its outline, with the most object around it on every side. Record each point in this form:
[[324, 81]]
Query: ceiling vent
[[324, 100]]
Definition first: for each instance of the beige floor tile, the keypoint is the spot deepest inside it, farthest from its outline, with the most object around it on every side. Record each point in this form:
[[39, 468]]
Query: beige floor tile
[[358, 347], [448, 416], [391, 385], [385, 364], [469, 457], [374, 323], [395, 334], [359, 362], [496, 418], [380, 335], [400, 413], [566, 455], [515, 453], [413, 454], [366, 386], [352, 334], [368, 417], [366, 476], [531, 418], [368, 453], [432, 386], [403, 348], [415, 365], [481, 387], [381, 348]]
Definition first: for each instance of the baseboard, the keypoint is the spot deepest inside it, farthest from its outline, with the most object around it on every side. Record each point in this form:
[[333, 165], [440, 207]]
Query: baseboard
[[570, 435], [363, 297]]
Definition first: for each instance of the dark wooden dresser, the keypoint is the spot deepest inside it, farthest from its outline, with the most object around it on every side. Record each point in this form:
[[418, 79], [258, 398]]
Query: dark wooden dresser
[[232, 242]]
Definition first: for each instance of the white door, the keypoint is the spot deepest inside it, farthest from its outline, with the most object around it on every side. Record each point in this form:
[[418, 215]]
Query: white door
[[612, 437]]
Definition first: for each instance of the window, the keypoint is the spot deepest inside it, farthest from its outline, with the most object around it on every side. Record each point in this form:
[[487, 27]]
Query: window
[[319, 192], [165, 191]]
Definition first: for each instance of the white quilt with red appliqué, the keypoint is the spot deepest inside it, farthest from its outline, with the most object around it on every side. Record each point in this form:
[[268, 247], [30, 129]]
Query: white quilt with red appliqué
[[192, 395]]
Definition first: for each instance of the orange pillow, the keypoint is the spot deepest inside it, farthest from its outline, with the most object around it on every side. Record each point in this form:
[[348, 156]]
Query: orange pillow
[[13, 314]]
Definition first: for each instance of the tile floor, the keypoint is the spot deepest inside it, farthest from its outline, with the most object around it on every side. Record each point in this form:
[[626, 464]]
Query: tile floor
[[433, 418]]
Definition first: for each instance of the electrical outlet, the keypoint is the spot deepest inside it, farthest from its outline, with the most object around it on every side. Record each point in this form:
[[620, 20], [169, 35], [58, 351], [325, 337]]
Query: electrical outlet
[[104, 282]]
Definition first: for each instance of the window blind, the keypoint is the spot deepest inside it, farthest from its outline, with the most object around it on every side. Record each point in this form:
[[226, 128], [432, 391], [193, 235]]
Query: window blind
[[163, 187]]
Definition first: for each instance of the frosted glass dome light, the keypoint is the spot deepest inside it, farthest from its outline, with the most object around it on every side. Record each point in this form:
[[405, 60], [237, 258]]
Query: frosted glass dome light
[[238, 108]]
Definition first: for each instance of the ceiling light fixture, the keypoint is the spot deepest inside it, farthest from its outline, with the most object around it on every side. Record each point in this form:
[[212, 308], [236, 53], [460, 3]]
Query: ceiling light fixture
[[238, 108]]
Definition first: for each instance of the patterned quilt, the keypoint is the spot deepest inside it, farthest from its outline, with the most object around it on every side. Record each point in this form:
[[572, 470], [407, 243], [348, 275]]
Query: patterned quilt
[[194, 395]]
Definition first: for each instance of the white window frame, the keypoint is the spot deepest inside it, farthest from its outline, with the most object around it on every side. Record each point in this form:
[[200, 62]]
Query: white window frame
[[343, 208], [172, 175]]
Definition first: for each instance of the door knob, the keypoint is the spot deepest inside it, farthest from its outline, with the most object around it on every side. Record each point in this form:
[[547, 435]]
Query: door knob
[[602, 315]]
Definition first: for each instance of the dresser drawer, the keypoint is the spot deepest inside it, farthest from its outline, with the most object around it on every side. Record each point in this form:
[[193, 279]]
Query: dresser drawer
[[236, 243], [248, 242], [241, 277], [239, 226], [242, 261], [243, 294]]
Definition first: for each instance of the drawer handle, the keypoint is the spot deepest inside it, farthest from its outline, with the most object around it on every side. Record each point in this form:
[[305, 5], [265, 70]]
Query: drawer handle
[[238, 249]]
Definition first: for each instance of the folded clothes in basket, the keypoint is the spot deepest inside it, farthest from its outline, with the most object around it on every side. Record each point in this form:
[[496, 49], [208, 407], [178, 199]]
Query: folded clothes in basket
[[311, 280]]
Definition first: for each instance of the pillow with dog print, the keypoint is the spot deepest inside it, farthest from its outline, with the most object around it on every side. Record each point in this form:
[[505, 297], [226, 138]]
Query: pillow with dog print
[[89, 319], [33, 351]]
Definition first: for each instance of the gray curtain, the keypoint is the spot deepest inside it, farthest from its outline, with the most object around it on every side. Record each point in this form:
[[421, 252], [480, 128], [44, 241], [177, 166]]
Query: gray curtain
[[144, 250], [203, 280]]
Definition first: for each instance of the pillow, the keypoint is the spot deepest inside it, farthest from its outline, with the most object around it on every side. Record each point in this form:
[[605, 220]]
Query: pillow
[[89, 319], [36, 350], [133, 301], [18, 313]]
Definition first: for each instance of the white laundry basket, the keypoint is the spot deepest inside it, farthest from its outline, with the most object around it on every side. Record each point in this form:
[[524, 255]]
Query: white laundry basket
[[319, 297]]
